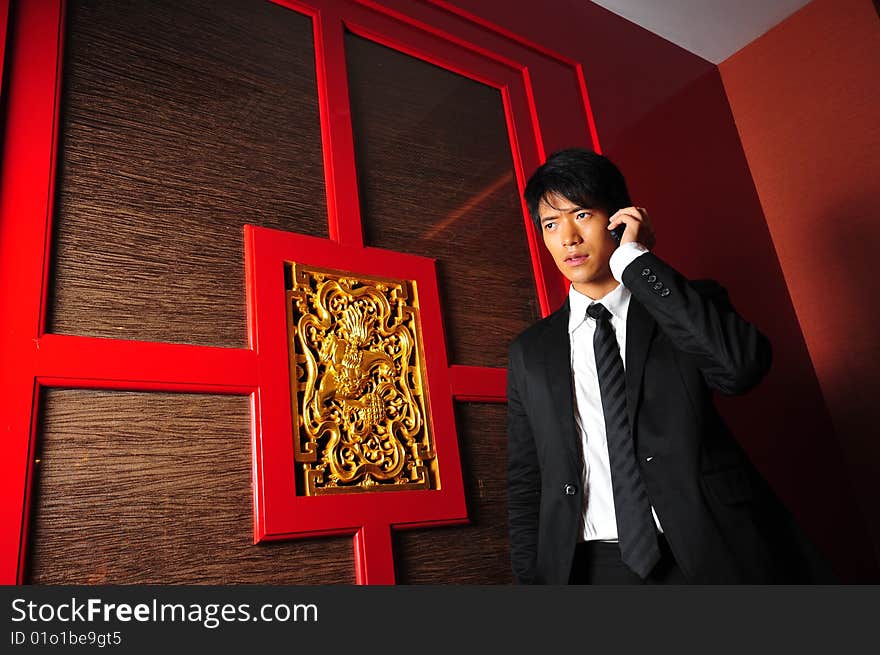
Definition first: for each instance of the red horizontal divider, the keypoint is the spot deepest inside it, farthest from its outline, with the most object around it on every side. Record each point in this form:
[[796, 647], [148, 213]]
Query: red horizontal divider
[[87, 362], [480, 384]]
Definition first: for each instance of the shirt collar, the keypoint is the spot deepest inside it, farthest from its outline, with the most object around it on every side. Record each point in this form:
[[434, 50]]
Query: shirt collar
[[615, 301]]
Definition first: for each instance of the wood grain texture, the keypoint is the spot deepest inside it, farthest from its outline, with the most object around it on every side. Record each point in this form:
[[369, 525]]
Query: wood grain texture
[[478, 553], [181, 122], [155, 488], [436, 179]]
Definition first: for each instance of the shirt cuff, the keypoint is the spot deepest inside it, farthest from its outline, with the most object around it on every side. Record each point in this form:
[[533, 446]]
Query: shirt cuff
[[625, 255]]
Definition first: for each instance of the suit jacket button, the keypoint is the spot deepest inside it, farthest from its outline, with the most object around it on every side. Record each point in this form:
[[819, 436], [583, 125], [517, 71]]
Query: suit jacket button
[[570, 489], [664, 293], [646, 272], [658, 286], [652, 278]]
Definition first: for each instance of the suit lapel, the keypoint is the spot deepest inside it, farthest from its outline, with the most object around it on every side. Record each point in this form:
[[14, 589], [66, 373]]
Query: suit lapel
[[640, 328], [558, 371]]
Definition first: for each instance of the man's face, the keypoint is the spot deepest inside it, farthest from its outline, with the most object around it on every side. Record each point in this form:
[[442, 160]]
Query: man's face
[[580, 243]]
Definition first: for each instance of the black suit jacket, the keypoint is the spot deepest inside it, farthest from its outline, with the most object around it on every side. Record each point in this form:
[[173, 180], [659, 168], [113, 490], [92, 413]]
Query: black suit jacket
[[684, 341]]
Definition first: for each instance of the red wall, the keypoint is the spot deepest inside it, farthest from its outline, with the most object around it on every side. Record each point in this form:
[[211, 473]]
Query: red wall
[[663, 116], [806, 98]]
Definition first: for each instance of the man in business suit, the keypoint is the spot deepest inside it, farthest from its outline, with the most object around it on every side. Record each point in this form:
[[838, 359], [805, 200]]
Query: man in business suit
[[621, 471]]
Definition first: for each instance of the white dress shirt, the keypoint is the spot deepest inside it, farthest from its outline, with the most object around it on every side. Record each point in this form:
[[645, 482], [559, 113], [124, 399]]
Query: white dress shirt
[[598, 520]]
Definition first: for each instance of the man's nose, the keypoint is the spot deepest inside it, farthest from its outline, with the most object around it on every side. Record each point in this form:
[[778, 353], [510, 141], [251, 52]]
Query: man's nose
[[570, 235]]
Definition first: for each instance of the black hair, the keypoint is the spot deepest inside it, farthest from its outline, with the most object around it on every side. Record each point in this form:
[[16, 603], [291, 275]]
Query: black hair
[[582, 176]]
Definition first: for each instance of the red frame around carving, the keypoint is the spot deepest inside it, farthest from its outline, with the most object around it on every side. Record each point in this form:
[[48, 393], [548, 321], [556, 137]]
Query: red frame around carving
[[31, 359], [279, 512]]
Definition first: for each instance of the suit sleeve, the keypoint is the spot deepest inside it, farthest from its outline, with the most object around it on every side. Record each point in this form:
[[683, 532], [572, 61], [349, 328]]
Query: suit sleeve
[[699, 319], [523, 476]]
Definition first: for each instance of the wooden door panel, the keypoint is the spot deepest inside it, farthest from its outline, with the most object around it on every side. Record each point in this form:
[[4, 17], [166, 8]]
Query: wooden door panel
[[477, 553], [437, 179], [154, 488], [180, 122]]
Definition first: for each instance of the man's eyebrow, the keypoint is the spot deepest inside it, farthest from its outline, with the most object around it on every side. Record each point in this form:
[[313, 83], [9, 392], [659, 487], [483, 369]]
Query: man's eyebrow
[[564, 210]]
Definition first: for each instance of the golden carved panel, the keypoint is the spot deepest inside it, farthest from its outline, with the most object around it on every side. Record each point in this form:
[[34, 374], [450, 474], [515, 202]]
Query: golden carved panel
[[358, 384]]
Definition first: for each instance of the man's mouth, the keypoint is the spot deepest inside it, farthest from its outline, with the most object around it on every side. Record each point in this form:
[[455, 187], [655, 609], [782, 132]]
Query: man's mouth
[[576, 260]]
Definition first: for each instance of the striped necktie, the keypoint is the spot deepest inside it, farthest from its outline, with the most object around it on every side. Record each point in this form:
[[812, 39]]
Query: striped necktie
[[636, 534]]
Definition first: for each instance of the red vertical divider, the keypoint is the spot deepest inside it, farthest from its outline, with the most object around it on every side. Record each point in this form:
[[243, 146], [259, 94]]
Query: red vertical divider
[[25, 217], [372, 544], [344, 214]]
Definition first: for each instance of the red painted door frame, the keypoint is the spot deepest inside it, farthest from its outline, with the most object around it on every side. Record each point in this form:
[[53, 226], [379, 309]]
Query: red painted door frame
[[33, 359]]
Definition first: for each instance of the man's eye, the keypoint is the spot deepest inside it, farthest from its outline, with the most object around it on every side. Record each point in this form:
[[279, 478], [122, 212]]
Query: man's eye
[[549, 225], [581, 215]]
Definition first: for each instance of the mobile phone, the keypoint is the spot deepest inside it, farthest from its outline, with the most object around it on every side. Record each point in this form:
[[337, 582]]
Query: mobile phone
[[617, 233]]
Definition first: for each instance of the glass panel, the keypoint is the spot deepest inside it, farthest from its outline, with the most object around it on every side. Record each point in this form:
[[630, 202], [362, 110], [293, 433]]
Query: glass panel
[[155, 488], [180, 123], [436, 179]]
